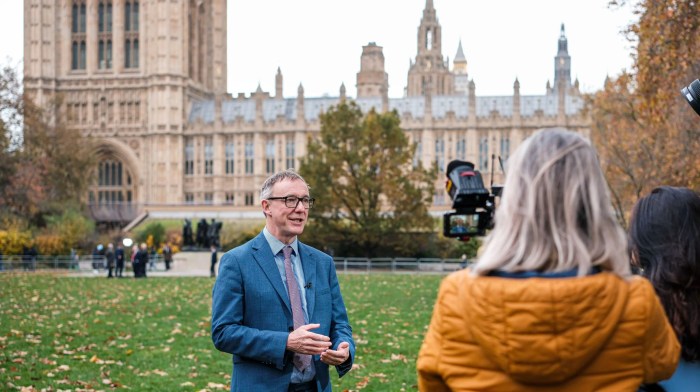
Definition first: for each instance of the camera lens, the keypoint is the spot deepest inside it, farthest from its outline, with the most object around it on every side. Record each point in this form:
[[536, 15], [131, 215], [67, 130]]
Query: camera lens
[[692, 95]]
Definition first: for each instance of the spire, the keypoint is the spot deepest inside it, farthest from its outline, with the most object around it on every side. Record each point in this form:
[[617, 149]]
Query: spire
[[259, 89], [459, 65], [562, 63], [563, 50], [342, 92], [460, 53], [278, 84], [301, 118]]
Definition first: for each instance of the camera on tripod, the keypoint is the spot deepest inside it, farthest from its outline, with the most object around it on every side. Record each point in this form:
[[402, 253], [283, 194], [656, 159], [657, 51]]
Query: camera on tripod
[[692, 95], [474, 205]]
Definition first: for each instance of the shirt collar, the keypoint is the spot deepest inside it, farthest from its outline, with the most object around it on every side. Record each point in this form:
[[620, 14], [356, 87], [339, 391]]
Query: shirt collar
[[277, 245]]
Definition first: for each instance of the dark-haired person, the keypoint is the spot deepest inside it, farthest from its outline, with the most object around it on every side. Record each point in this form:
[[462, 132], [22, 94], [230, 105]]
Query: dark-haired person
[[665, 244], [551, 304]]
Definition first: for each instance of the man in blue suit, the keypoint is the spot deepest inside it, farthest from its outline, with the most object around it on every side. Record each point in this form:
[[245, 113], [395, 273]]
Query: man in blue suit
[[276, 304]]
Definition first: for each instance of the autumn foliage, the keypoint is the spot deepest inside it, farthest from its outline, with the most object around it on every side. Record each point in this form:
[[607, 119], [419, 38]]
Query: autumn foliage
[[645, 132]]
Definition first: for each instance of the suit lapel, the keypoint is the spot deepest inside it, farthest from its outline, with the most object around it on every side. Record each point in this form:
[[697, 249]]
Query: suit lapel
[[266, 260], [308, 263]]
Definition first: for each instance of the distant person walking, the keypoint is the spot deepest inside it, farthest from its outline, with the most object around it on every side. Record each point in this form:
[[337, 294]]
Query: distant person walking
[[109, 256], [97, 258], [119, 256], [141, 261], [167, 256], [214, 259], [29, 258], [134, 252], [152, 255]]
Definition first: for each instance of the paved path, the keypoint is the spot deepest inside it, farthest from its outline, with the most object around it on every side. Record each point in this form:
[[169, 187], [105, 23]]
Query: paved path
[[184, 264]]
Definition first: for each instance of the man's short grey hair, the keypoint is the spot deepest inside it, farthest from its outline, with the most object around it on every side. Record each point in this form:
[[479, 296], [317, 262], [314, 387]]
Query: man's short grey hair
[[289, 174]]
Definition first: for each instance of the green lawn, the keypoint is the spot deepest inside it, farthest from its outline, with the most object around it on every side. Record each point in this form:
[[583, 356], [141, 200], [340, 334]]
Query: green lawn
[[154, 334]]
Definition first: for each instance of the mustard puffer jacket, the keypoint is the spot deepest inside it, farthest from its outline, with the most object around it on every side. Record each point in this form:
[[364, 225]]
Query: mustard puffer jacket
[[594, 333]]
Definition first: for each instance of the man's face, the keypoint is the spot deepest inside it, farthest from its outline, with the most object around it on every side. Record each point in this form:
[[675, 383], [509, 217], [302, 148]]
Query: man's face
[[283, 222]]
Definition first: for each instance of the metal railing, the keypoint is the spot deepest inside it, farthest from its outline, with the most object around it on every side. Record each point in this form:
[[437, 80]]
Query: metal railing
[[342, 264], [397, 265], [19, 263]]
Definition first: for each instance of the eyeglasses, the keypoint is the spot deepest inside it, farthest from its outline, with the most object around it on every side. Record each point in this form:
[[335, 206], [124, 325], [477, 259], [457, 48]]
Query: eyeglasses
[[293, 201]]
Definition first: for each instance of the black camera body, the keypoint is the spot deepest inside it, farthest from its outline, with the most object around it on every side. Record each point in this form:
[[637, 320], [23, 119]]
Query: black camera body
[[691, 93], [474, 205]]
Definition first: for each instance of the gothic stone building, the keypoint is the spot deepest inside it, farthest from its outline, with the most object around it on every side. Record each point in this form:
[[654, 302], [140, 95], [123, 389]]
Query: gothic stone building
[[147, 80]]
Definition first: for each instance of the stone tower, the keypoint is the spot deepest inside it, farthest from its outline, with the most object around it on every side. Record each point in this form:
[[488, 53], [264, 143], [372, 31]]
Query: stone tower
[[372, 80], [429, 71], [562, 63], [459, 70], [126, 72]]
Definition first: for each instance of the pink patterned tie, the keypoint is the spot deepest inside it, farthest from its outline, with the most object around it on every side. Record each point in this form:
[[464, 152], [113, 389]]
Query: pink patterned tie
[[301, 361]]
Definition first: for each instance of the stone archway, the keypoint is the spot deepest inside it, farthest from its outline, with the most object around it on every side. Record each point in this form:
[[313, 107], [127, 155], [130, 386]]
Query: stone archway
[[114, 194]]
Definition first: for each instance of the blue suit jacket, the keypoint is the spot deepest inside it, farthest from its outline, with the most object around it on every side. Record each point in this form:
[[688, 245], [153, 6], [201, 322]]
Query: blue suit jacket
[[252, 318]]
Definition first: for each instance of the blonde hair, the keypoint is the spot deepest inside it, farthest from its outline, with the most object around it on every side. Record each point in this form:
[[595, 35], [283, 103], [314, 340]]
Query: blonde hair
[[555, 213]]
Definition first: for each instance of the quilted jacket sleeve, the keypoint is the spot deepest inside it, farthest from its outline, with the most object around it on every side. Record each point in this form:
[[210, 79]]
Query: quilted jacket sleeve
[[429, 378], [661, 347]]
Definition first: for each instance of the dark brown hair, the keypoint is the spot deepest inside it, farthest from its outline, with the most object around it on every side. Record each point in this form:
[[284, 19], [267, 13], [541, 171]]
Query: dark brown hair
[[665, 243]]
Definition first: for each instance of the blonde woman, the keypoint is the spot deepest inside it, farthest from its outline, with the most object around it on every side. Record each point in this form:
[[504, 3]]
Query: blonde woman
[[551, 304]]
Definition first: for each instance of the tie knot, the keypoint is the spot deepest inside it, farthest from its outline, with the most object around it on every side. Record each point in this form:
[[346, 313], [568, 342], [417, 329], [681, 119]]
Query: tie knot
[[287, 251]]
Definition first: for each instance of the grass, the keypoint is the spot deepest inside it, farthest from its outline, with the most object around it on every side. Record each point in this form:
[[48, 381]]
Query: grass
[[70, 333]]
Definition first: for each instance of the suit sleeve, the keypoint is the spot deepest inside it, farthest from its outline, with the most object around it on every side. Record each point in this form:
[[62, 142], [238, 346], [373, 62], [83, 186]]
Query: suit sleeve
[[228, 331], [340, 330], [661, 348]]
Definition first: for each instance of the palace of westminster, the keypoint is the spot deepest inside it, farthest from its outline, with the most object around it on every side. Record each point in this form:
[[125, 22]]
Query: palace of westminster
[[146, 79]]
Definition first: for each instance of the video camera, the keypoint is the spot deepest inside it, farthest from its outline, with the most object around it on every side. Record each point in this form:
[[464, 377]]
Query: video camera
[[474, 205], [692, 95]]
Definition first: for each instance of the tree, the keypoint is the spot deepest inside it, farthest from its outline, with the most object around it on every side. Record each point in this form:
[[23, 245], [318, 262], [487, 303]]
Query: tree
[[369, 195], [49, 166], [10, 123], [645, 132], [72, 227], [155, 231]]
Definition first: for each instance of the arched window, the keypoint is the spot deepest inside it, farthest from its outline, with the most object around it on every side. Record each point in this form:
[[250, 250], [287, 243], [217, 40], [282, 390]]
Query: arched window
[[127, 16], [135, 17], [108, 17], [131, 34], [135, 54], [108, 54], [83, 55], [101, 55], [74, 18], [83, 16], [131, 16], [127, 54], [74, 63], [114, 184], [77, 25], [101, 17]]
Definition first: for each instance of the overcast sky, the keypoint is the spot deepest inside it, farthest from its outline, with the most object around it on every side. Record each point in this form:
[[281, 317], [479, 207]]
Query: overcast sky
[[319, 42]]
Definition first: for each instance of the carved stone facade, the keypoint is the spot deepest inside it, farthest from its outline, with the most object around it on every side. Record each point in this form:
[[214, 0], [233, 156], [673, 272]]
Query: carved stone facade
[[147, 80]]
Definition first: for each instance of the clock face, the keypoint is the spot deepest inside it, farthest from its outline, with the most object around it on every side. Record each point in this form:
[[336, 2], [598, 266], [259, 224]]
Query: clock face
[[561, 61]]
